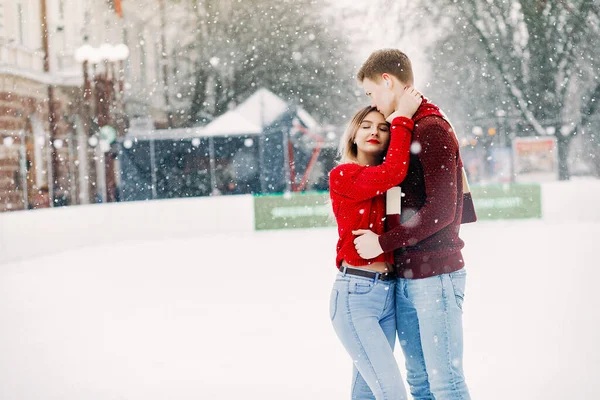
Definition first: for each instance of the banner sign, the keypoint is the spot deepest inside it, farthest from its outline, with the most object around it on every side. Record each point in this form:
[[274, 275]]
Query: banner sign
[[311, 210], [535, 159], [294, 210], [515, 201]]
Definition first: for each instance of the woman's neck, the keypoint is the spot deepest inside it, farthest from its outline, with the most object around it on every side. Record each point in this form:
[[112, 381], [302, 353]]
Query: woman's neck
[[368, 159]]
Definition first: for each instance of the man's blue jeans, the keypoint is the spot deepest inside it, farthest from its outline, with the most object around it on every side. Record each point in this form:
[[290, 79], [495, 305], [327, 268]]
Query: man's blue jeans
[[362, 312], [429, 323]]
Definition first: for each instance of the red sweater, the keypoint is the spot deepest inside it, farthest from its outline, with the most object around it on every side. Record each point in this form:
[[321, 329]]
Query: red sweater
[[358, 193], [427, 242]]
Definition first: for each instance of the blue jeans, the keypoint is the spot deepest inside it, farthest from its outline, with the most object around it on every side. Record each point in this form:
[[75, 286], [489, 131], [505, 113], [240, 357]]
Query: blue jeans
[[362, 312], [429, 323]]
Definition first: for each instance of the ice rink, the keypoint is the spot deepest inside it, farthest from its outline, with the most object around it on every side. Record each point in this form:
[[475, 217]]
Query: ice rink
[[245, 316]]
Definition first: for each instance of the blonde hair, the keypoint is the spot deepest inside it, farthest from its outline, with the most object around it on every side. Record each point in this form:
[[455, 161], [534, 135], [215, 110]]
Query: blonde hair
[[347, 149]]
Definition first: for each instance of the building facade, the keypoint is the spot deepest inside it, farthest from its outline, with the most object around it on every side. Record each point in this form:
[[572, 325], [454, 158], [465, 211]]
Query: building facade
[[52, 113]]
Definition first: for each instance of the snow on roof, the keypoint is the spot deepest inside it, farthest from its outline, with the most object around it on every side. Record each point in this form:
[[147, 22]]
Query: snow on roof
[[165, 134], [307, 119], [249, 118], [232, 123], [263, 107]]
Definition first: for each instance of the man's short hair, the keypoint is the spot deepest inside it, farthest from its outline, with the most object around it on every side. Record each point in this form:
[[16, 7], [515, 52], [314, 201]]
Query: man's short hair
[[387, 61]]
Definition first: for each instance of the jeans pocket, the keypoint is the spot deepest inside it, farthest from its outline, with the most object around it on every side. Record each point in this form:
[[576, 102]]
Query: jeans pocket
[[333, 303], [459, 280], [355, 287]]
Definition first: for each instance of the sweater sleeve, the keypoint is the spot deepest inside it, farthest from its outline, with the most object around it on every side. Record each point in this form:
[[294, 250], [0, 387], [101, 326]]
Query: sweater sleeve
[[359, 183], [438, 158]]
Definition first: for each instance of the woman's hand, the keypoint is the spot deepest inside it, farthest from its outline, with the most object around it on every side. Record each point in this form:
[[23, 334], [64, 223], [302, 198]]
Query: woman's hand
[[407, 105], [367, 244]]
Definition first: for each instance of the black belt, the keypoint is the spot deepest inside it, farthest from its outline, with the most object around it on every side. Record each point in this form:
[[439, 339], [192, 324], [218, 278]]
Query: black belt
[[382, 276]]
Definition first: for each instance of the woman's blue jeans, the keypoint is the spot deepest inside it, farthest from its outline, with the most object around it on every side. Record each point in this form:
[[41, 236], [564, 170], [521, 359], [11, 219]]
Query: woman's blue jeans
[[362, 312]]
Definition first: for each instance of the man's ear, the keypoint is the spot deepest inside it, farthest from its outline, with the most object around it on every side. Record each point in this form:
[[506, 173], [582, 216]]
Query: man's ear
[[387, 80]]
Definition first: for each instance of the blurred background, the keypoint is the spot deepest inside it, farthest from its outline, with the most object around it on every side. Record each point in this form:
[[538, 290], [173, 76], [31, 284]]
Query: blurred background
[[120, 100], [165, 225]]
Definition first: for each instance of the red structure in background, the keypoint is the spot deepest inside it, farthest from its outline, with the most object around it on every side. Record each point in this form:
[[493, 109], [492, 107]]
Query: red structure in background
[[311, 162]]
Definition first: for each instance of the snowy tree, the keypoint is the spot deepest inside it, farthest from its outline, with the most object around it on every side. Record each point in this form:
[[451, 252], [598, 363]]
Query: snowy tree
[[537, 57], [226, 49]]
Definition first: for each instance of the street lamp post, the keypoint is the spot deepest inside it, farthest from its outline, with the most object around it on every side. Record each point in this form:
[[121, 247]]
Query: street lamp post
[[501, 114], [86, 55], [53, 177], [503, 136], [103, 89]]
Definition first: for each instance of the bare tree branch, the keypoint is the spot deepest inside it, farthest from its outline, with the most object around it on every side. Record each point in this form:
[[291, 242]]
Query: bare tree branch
[[592, 107], [510, 82]]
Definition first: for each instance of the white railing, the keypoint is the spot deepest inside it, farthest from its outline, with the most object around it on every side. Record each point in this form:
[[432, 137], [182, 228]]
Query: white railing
[[21, 58]]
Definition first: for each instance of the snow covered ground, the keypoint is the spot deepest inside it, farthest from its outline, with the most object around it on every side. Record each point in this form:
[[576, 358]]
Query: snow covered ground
[[245, 316]]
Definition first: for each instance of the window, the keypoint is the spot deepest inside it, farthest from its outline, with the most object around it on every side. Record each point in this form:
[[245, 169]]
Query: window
[[143, 60], [2, 33], [157, 61], [61, 9], [20, 24]]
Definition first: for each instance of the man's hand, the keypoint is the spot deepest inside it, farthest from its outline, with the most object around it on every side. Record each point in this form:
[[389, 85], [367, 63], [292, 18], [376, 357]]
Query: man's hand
[[367, 244]]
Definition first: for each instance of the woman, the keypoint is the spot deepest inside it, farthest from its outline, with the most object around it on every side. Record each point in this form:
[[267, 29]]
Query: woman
[[362, 307]]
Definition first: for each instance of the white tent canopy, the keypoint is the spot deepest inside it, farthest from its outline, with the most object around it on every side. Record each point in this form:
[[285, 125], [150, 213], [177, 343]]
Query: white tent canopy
[[232, 123], [250, 117], [263, 107]]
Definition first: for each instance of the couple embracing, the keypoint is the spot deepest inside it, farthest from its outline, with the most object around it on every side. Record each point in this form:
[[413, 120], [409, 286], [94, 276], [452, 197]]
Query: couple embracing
[[401, 271]]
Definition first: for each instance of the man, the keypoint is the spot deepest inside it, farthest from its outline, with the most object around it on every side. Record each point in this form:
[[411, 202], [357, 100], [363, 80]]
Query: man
[[428, 259]]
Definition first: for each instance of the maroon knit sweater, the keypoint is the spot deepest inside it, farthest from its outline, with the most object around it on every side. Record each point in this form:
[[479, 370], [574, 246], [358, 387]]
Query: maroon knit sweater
[[426, 242]]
